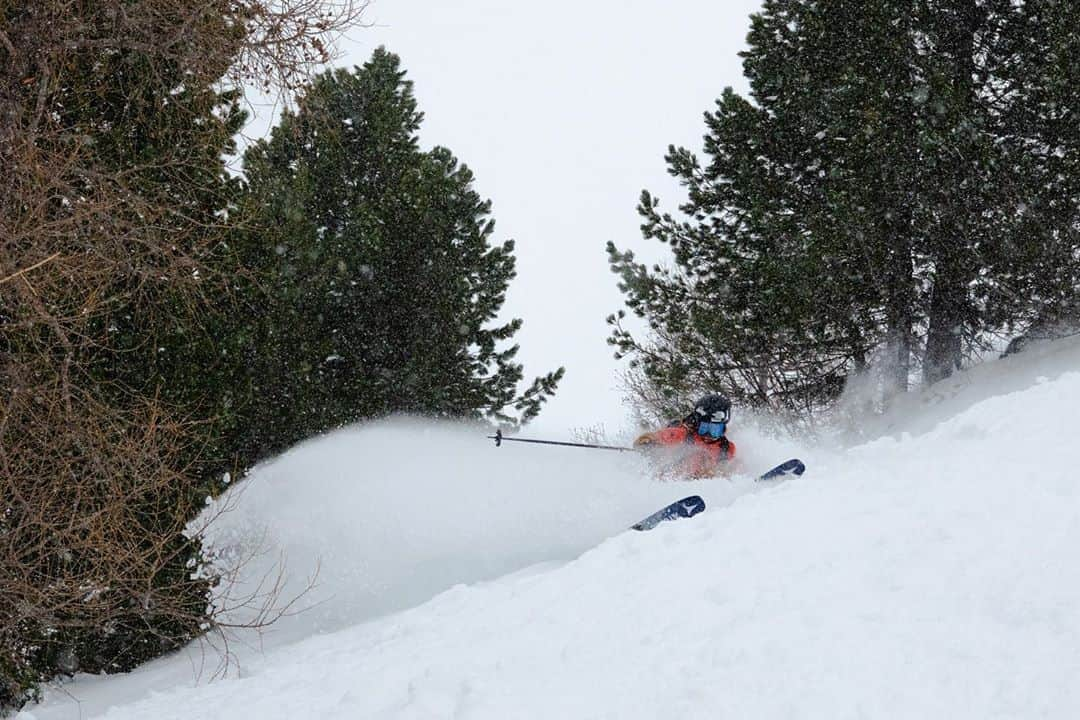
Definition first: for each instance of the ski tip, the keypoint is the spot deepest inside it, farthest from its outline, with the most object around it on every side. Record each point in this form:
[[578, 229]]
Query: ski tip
[[687, 507], [691, 506], [794, 466]]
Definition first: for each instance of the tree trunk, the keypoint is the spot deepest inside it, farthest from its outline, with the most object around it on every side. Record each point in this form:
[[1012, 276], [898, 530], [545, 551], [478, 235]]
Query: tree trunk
[[943, 341], [950, 308], [900, 321]]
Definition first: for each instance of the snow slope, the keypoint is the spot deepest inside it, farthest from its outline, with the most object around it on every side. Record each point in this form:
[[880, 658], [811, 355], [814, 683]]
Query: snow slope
[[930, 573]]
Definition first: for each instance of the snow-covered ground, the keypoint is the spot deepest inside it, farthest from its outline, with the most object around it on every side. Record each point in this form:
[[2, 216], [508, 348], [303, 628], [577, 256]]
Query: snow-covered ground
[[929, 573]]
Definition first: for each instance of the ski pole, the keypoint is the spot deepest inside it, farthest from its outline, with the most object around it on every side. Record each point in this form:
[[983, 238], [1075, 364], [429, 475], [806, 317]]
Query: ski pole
[[498, 438]]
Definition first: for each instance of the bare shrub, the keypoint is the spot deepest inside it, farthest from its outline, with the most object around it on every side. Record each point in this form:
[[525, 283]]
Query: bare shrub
[[114, 226]]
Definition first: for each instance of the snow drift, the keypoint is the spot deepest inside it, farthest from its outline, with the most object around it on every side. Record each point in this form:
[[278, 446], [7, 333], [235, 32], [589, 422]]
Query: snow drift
[[930, 573]]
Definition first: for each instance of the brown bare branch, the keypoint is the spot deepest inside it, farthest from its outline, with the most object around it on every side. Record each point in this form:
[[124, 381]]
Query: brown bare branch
[[99, 477], [35, 266]]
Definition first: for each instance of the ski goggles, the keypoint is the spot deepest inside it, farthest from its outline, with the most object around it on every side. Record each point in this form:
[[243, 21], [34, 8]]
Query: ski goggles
[[711, 429]]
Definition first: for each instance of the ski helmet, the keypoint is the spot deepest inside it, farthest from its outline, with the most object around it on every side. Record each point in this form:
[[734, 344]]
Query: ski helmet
[[713, 408]]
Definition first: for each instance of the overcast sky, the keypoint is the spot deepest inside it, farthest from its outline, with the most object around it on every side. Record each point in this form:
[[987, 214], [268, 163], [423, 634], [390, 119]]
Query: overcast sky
[[564, 111]]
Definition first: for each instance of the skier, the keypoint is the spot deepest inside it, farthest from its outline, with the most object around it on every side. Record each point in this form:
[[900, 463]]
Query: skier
[[698, 442]]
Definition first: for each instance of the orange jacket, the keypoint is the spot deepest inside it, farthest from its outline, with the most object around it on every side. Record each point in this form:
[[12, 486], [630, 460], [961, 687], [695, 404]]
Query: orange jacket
[[704, 457]]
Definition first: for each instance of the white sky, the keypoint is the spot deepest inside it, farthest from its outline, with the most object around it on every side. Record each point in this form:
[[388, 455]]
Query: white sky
[[564, 111]]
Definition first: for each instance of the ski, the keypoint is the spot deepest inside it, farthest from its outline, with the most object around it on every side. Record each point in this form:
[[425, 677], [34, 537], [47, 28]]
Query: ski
[[692, 505], [793, 466], [687, 507]]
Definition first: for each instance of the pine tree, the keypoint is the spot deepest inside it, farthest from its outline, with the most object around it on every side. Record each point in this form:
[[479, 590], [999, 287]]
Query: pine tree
[[791, 284], [383, 275], [863, 207], [997, 191], [1036, 60]]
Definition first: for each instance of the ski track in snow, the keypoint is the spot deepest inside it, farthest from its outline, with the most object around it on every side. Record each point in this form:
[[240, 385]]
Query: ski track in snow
[[924, 574]]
